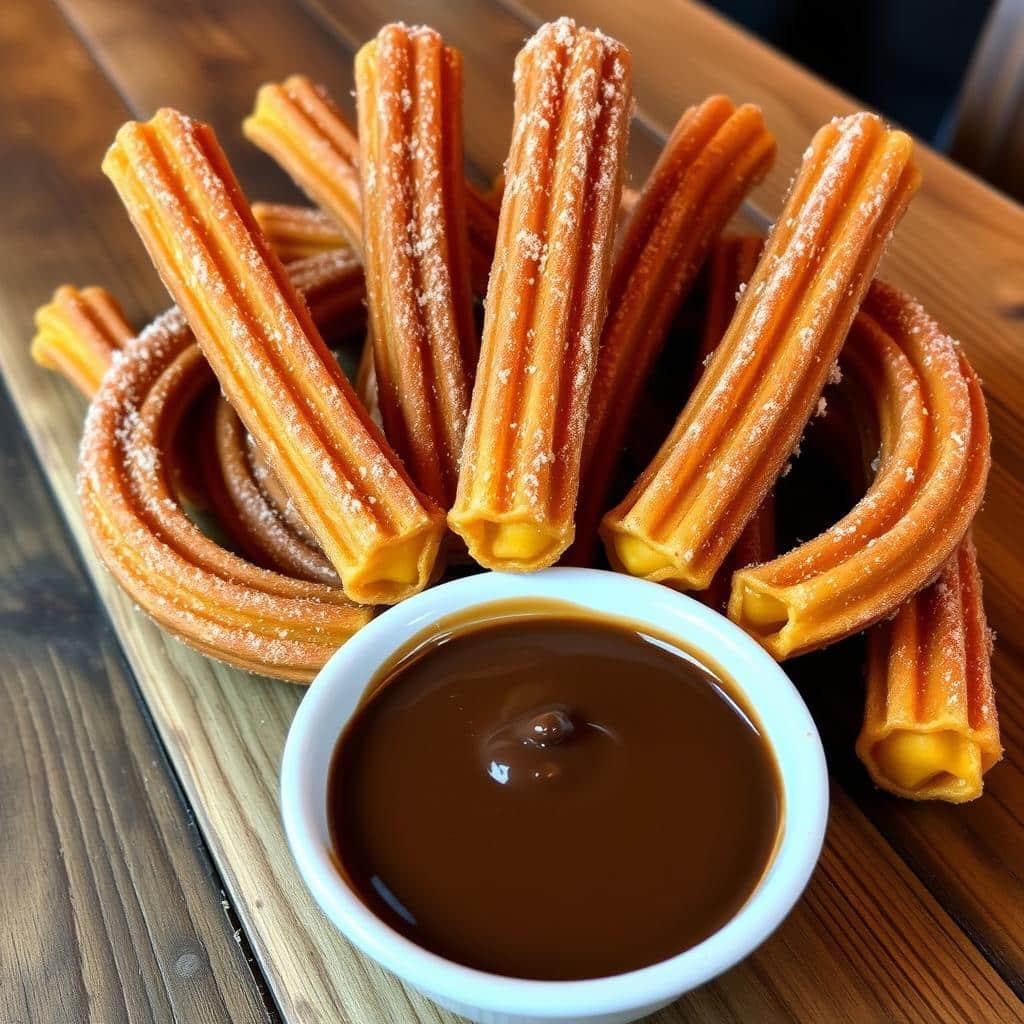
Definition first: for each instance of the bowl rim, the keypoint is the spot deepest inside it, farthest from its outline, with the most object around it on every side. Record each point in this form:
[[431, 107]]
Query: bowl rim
[[788, 728]]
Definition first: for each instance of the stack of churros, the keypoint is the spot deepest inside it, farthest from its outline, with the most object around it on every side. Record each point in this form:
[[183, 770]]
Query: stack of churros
[[320, 500]]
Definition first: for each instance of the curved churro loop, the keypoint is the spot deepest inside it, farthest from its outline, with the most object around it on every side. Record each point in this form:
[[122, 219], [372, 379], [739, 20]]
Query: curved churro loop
[[213, 600], [763, 383], [931, 478], [715, 155], [77, 334], [244, 509], [931, 730], [409, 94], [298, 232], [546, 299]]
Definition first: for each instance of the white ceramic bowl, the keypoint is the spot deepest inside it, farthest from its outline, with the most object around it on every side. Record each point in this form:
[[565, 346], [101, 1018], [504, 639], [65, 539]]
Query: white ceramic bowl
[[490, 998]]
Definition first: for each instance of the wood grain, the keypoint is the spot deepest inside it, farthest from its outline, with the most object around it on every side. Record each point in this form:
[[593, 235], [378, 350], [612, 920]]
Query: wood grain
[[869, 941], [108, 902]]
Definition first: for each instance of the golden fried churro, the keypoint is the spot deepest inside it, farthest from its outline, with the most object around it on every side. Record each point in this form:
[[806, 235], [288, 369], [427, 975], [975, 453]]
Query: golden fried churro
[[214, 600], [298, 124], [77, 334], [930, 725], [546, 299], [761, 386], [930, 482], [298, 232], [380, 533], [715, 155], [409, 94]]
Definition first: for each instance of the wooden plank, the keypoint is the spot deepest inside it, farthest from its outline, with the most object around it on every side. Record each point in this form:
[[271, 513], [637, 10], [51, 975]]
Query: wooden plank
[[225, 731], [110, 909]]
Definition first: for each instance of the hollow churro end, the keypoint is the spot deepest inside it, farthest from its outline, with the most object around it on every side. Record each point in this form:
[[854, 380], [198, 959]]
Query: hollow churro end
[[759, 613], [922, 765], [395, 572], [637, 557], [514, 542], [509, 544]]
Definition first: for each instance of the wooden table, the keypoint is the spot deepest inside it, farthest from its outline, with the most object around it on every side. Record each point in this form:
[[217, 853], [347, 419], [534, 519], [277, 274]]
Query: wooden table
[[145, 876]]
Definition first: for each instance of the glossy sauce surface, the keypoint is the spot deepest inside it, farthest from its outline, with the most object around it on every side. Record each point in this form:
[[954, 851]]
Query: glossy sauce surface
[[553, 796]]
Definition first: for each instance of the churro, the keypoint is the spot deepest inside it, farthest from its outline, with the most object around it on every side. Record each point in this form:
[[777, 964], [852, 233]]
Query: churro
[[298, 124], [546, 299], [77, 334], [930, 480], [715, 155], [763, 382], [930, 725], [380, 533], [409, 94], [212, 599]]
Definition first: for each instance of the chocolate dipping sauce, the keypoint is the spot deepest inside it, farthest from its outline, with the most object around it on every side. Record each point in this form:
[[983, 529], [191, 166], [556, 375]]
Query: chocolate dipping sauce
[[543, 793]]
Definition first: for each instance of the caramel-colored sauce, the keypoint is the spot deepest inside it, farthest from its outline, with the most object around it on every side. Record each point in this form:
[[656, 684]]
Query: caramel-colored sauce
[[541, 792]]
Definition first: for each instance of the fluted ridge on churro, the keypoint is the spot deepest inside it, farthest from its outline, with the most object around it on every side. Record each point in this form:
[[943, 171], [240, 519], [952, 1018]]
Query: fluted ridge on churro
[[930, 481], [931, 730], [546, 299], [715, 155], [409, 92], [298, 124], [761, 386], [378, 530], [77, 334]]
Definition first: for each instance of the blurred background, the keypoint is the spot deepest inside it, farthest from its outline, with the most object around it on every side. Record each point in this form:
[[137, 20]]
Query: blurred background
[[952, 71]]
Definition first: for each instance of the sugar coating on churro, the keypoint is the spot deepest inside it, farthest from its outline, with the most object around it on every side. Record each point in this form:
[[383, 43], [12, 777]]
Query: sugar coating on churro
[[409, 90], [931, 729], [929, 480], [746, 416], [715, 154], [380, 533], [546, 299]]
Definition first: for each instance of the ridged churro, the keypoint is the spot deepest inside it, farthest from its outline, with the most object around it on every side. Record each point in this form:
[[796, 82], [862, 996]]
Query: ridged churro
[[298, 232], [930, 481], [298, 124], [732, 263], [77, 334], [409, 94], [747, 414], [380, 533], [715, 155], [546, 299], [930, 725], [212, 599]]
